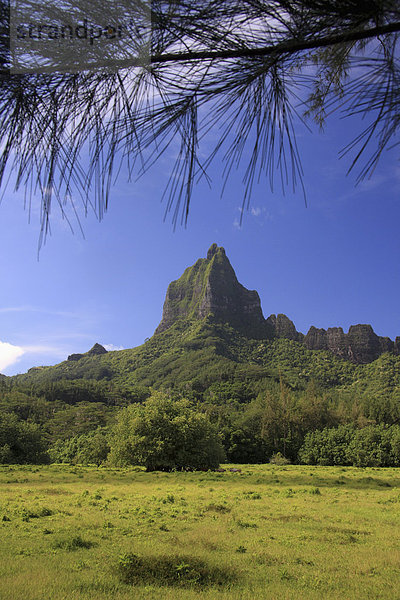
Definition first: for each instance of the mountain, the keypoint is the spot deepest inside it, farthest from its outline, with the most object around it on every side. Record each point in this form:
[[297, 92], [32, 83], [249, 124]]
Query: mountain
[[213, 331], [210, 288], [95, 350]]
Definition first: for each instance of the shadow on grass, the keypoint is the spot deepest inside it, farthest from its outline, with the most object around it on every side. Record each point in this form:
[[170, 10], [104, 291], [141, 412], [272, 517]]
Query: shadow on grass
[[181, 571], [358, 481], [73, 543]]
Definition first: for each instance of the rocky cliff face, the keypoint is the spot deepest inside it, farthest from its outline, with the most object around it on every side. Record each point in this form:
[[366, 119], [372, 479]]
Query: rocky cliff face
[[282, 327], [95, 350], [210, 287], [360, 344]]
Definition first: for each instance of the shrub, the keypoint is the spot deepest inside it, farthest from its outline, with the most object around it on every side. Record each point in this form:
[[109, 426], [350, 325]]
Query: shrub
[[371, 446], [327, 447], [20, 442], [73, 543], [181, 571], [279, 459], [165, 434], [88, 448]]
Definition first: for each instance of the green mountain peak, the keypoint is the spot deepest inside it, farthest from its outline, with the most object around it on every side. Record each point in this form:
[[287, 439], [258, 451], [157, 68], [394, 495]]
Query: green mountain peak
[[213, 250], [210, 288]]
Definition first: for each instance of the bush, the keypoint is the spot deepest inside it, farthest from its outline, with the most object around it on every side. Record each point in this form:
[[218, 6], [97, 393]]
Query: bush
[[88, 448], [165, 434], [279, 459], [73, 543], [371, 446], [181, 571], [327, 447], [20, 442]]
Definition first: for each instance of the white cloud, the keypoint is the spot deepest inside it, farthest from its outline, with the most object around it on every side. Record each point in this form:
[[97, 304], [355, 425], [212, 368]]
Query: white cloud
[[45, 311], [11, 309], [9, 354], [44, 349], [256, 212], [236, 224], [259, 212], [111, 347]]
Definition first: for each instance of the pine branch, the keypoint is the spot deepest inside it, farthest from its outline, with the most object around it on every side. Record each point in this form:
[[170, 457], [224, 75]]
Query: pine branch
[[287, 48]]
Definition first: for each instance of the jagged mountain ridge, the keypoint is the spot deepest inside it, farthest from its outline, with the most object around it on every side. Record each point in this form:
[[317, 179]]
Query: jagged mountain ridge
[[210, 287]]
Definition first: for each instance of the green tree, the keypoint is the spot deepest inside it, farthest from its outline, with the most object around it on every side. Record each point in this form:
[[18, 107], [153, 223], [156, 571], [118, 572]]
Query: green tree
[[27, 407], [21, 442], [165, 434], [327, 447], [395, 445], [281, 423], [78, 419], [241, 433], [371, 447], [88, 448]]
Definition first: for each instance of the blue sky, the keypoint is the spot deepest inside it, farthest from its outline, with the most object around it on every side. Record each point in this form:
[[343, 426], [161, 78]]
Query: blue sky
[[332, 263]]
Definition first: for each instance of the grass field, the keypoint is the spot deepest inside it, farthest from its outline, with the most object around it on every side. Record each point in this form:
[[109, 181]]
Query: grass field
[[267, 532]]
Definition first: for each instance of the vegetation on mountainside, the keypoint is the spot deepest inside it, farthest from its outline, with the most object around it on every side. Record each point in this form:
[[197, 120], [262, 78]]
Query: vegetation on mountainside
[[262, 397]]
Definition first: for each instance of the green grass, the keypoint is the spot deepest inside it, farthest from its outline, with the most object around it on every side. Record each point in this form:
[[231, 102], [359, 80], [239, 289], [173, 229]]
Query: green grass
[[275, 532]]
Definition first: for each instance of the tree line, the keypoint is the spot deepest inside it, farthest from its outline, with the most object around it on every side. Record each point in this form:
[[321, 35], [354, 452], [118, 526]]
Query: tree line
[[164, 429]]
